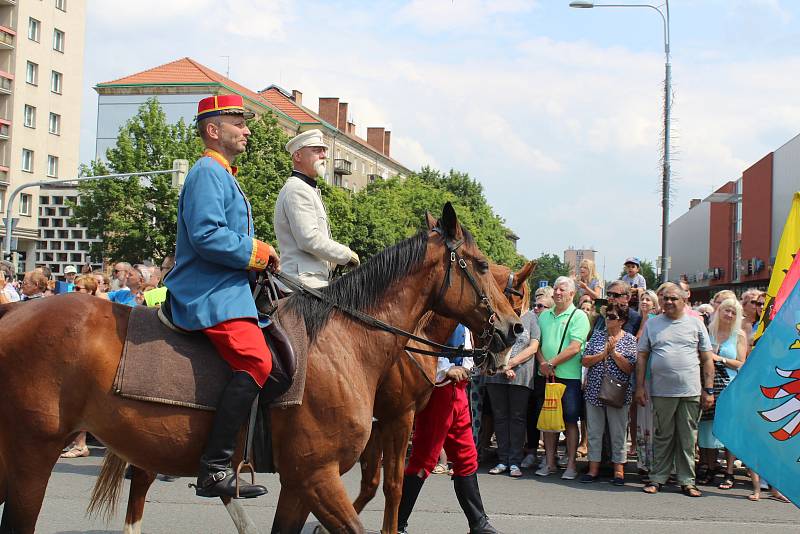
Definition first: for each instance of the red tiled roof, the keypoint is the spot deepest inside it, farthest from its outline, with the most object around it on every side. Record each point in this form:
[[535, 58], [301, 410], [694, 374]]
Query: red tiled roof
[[187, 70]]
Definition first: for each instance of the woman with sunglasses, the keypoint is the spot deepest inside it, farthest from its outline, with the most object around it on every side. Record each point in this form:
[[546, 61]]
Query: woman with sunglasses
[[610, 351]]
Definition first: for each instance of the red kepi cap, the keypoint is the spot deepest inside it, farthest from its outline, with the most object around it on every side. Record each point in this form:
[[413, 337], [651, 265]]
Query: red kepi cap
[[222, 105]]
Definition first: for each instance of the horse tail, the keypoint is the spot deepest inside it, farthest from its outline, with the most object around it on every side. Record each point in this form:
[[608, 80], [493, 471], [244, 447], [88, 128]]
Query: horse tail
[[106, 491]]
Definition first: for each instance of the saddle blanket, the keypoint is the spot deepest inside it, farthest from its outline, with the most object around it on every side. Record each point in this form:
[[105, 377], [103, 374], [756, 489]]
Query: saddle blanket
[[164, 366]]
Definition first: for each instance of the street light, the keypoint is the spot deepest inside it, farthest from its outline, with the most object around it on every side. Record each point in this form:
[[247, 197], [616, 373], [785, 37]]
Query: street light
[[665, 176]]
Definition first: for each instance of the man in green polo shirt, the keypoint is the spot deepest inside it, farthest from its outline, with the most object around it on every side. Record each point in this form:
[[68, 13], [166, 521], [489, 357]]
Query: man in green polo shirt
[[564, 331]]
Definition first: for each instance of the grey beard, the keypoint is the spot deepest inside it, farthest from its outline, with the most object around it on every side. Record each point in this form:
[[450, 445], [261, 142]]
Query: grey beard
[[319, 168]]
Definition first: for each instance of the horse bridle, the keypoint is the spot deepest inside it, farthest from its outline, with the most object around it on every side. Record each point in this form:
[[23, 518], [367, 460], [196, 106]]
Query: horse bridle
[[479, 355]]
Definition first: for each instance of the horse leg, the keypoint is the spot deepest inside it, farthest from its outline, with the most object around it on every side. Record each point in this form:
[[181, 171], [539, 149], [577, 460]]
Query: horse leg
[[26, 482], [242, 521], [370, 469], [395, 442], [330, 504], [141, 481], [291, 513]]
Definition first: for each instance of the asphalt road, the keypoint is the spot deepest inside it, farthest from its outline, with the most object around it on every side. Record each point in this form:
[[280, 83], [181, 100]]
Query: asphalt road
[[526, 505]]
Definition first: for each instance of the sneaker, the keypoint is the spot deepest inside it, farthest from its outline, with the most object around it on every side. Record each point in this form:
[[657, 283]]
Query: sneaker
[[544, 471], [562, 462], [569, 474], [514, 471], [528, 462], [499, 468]]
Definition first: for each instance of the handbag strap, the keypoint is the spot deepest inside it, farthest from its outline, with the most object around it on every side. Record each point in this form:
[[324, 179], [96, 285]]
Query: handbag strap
[[564, 335]]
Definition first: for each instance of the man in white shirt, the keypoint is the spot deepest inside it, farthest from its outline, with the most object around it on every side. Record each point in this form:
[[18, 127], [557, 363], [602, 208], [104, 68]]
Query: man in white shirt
[[6, 277]]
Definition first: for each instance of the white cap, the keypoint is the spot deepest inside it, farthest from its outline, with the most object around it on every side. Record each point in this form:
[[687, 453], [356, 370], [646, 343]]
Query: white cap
[[70, 269], [309, 138]]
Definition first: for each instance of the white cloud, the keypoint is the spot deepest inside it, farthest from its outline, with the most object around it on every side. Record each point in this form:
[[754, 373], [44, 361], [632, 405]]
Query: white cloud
[[458, 15]]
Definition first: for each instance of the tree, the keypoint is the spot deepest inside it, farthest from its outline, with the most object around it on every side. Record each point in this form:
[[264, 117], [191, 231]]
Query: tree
[[390, 210], [263, 169], [549, 267], [136, 217]]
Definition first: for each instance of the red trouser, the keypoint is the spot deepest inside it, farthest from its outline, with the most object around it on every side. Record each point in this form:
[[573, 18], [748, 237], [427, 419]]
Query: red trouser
[[445, 422], [241, 343]]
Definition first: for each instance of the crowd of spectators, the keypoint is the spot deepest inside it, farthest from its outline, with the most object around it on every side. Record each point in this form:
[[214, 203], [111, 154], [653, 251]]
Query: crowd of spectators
[[672, 359]]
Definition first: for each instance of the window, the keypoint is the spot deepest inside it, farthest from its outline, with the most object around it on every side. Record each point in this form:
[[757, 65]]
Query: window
[[2, 200], [55, 124], [32, 73], [25, 202], [27, 160], [34, 29], [29, 116], [55, 81], [61, 4], [52, 166], [58, 40]]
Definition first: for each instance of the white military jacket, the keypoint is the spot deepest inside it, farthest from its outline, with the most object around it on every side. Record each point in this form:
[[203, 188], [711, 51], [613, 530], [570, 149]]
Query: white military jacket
[[304, 237]]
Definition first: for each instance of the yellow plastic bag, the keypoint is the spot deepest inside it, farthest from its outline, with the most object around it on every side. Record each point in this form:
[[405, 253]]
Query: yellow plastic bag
[[551, 418]]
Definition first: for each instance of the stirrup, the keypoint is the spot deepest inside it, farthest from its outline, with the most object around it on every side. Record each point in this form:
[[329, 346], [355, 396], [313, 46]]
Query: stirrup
[[249, 467]]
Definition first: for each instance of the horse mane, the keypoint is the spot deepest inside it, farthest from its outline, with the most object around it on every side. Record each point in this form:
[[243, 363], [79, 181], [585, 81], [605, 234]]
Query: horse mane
[[363, 288]]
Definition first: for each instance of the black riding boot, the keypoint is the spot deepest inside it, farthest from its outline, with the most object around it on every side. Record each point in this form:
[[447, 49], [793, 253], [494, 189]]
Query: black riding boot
[[412, 484], [469, 497], [216, 477]]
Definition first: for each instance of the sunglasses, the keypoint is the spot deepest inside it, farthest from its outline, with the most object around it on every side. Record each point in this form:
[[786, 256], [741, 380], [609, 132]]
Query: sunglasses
[[80, 288], [613, 295], [759, 304], [612, 317], [541, 307]]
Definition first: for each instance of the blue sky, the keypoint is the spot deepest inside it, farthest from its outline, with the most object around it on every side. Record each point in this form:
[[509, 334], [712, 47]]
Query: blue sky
[[556, 111]]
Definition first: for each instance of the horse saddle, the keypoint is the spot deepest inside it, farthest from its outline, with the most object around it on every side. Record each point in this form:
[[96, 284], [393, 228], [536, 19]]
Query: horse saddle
[[284, 360]]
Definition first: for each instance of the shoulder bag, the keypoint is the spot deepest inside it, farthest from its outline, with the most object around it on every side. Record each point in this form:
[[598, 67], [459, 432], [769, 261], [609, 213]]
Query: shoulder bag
[[612, 391]]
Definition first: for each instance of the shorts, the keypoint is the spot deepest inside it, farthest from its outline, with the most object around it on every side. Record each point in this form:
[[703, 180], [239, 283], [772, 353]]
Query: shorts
[[571, 402]]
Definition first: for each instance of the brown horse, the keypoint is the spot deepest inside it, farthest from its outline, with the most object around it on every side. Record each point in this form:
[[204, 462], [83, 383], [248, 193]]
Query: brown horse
[[57, 382], [405, 390]]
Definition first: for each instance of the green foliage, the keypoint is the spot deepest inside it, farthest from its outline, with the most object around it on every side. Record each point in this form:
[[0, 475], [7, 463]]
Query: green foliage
[[390, 210], [136, 217], [549, 267], [646, 269], [263, 169]]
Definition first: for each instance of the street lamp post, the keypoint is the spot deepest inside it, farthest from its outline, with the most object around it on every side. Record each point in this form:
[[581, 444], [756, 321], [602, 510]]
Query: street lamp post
[[665, 170]]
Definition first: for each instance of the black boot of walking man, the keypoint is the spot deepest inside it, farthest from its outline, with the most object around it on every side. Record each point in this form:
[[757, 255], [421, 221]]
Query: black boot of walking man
[[469, 497], [216, 477], [412, 484]]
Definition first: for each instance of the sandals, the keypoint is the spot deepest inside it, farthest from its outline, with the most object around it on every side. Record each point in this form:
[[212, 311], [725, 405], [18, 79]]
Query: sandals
[[441, 469], [499, 468], [76, 452], [652, 488], [708, 478], [690, 490], [727, 482]]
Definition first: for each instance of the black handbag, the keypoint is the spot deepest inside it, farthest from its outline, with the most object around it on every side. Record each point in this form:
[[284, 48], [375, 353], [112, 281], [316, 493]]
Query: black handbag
[[612, 391]]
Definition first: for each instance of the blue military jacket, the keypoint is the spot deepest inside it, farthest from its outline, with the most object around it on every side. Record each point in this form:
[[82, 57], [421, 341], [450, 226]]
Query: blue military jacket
[[215, 246]]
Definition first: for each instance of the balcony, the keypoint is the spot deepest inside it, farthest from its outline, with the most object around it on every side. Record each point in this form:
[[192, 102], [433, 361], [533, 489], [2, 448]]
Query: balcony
[[7, 36], [8, 2], [6, 83], [342, 166]]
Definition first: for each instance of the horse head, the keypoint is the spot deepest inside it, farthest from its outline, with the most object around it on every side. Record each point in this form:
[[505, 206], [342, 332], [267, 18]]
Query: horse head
[[513, 284], [468, 292]]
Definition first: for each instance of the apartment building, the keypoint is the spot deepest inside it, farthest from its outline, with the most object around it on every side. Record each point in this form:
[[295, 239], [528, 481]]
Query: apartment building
[[729, 239], [41, 75], [181, 84], [573, 257]]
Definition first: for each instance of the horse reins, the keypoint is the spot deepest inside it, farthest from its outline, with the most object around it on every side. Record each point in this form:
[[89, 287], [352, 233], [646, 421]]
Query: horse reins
[[479, 355]]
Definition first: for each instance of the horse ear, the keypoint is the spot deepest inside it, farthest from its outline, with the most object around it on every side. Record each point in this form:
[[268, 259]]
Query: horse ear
[[449, 222], [430, 221], [524, 273]]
